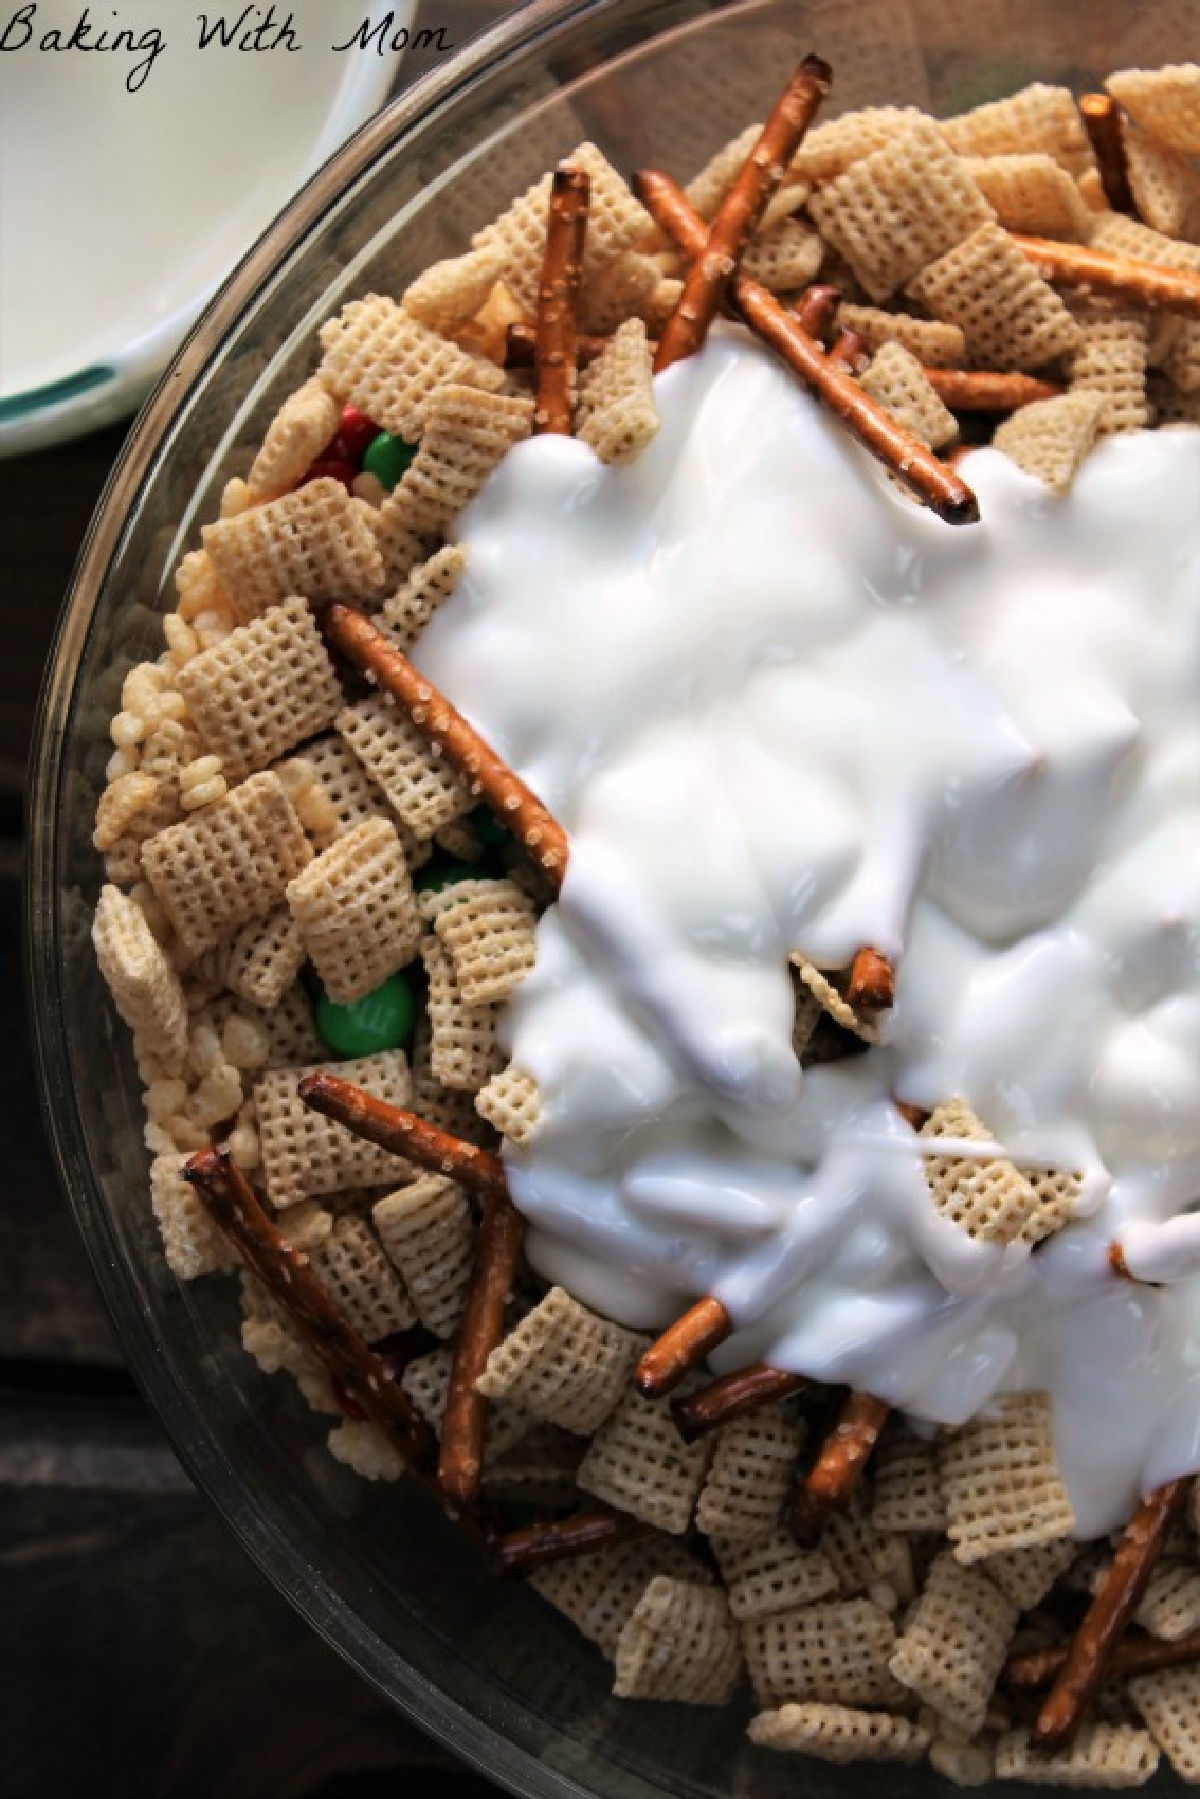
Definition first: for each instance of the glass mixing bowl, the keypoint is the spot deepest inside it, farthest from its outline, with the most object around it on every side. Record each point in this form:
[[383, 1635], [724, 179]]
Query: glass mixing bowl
[[486, 1667]]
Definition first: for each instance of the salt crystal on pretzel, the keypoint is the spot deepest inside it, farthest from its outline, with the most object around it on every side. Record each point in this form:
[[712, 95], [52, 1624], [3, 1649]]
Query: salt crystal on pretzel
[[679, 1644], [839, 1733], [555, 356], [732, 1396], [830, 1482], [740, 211], [1165, 101], [313, 542], [1101, 117], [305, 424]]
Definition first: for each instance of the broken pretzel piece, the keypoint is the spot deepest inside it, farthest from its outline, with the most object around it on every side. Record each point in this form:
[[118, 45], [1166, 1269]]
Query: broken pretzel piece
[[733, 1396], [681, 1346], [556, 352], [989, 390], [831, 1480], [561, 1539], [1101, 117]]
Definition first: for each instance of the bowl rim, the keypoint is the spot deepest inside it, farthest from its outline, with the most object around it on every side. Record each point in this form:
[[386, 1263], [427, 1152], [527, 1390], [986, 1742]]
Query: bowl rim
[[469, 1736]]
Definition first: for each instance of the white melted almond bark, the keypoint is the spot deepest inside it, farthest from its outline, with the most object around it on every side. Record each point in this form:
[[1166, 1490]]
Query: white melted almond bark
[[777, 706]]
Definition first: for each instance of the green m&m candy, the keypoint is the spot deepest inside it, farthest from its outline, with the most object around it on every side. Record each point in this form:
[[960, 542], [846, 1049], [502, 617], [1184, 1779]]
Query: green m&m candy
[[380, 1020], [436, 875], [386, 457], [487, 827]]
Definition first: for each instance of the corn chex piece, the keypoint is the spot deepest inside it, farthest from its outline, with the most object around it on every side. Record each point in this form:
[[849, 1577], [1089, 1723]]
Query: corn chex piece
[[1111, 362], [1100, 1756], [617, 416], [1026, 1575], [365, 1449], [489, 930], [1049, 440], [1037, 118], [1032, 193], [144, 986], [907, 1486], [408, 611], [749, 1474], [895, 378], [1165, 185], [1169, 1705], [392, 367], [829, 999], [679, 1643], [598, 1592], [986, 1196], [191, 1241], [366, 1288], [448, 293], [1166, 102], [402, 548], [351, 794], [1001, 1482], [291, 1031], [933, 342], [836, 1653], [463, 1050], [638, 1462], [830, 147], [511, 1103], [304, 426], [563, 1364], [428, 1233], [1058, 1193], [616, 223], [421, 786], [862, 1558], [427, 1383], [839, 1733], [772, 1573], [356, 910], [467, 433], [314, 541], [305, 1154], [624, 287], [263, 689], [709, 186], [1170, 1606], [899, 208], [785, 257], [954, 1643], [264, 959], [1011, 318]]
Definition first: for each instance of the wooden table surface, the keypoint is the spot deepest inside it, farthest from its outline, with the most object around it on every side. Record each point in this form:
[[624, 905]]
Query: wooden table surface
[[142, 1656]]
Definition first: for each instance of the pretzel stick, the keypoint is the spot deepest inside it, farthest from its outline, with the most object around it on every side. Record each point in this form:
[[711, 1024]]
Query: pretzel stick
[[464, 1421], [930, 480], [235, 1209], [1113, 1604], [844, 1454], [733, 1396], [521, 346], [556, 358], [716, 260], [404, 1134], [848, 351], [914, 1115], [1102, 121], [514, 804], [1117, 1262], [681, 1346], [982, 390], [561, 1539], [871, 986], [1126, 278], [817, 308], [1135, 1654]]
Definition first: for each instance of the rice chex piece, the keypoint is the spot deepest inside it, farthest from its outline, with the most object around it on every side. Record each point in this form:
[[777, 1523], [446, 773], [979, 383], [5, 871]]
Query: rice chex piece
[[836, 1653], [679, 1643], [1001, 1482], [1032, 193], [357, 911], [427, 1383], [954, 1643], [1107, 1756], [839, 1733], [1049, 440], [784, 257], [616, 414], [422, 787], [895, 378], [489, 930], [1010, 316], [291, 1031], [749, 1474], [987, 1197], [305, 1154], [263, 689], [353, 797], [1111, 362], [863, 1558], [1165, 185], [264, 959], [408, 611], [899, 208], [1166, 102], [392, 367], [305, 424], [1026, 1575], [450, 1108], [1058, 1193], [907, 1486], [192, 1243], [563, 1364], [625, 287], [369, 1451], [830, 147], [708, 188], [1180, 353], [1170, 1606], [1037, 118], [427, 1231], [597, 1592], [616, 223], [449, 293], [933, 342], [463, 1049], [467, 434], [772, 1573], [401, 546], [1169, 1705], [145, 988], [368, 1292], [511, 1102], [638, 1462], [230, 863], [314, 541]]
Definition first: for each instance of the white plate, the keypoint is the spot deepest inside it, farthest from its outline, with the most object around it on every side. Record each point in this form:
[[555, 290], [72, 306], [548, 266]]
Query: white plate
[[120, 212]]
